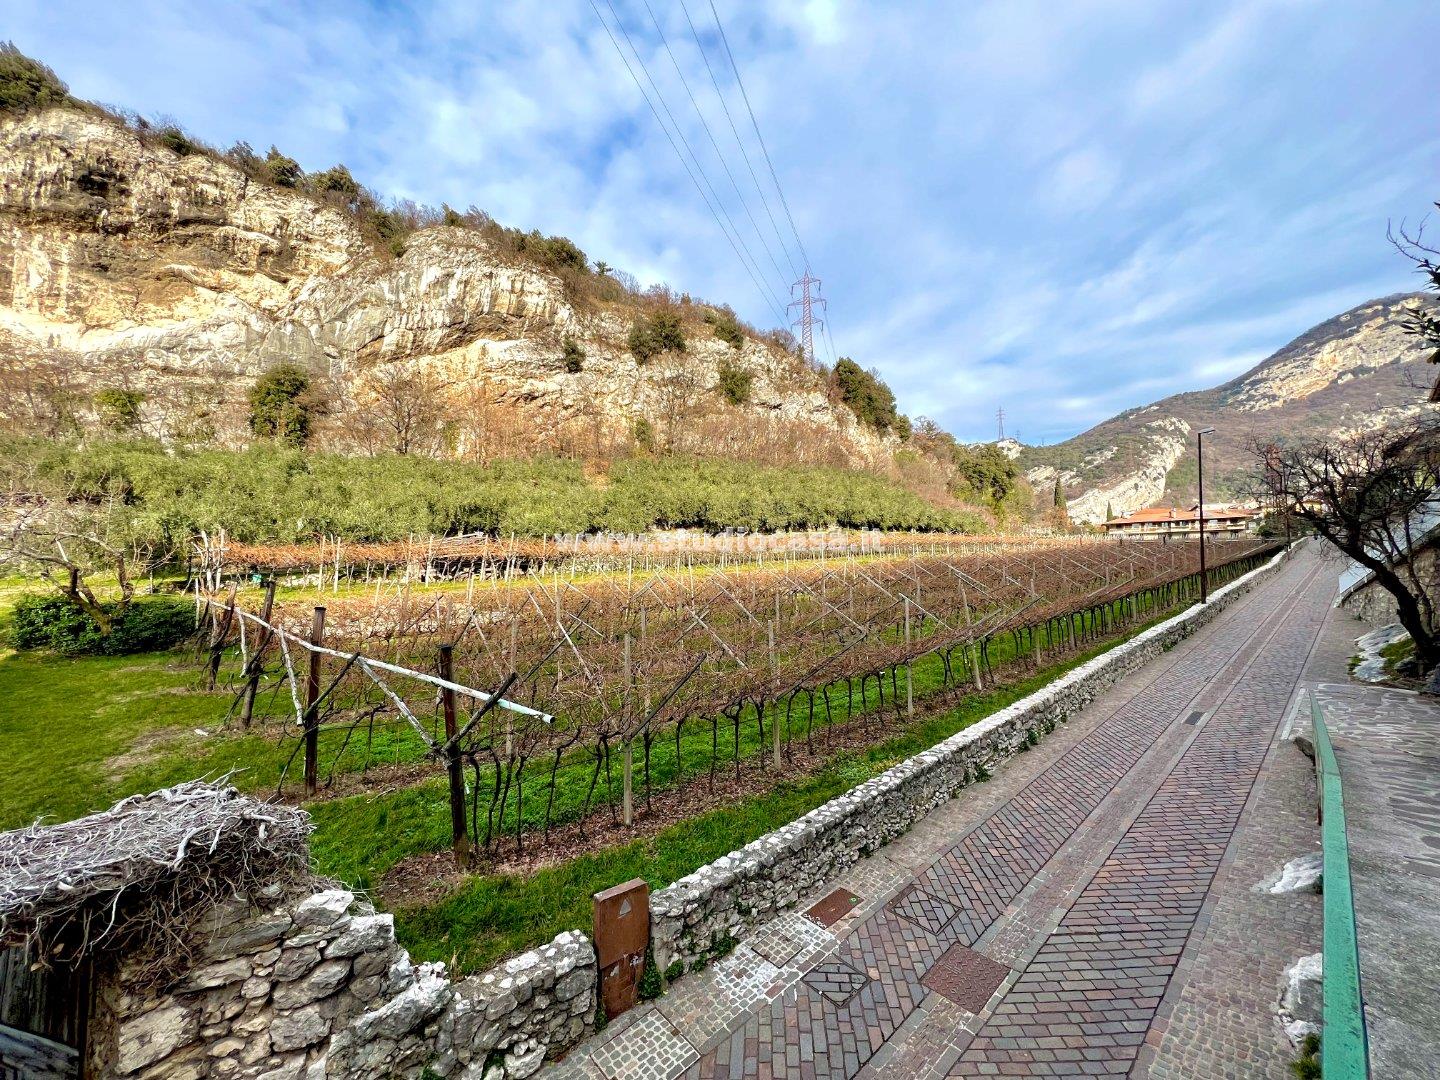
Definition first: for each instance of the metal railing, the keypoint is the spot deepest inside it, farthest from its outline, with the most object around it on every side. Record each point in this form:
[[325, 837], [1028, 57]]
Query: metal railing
[[1344, 1047]]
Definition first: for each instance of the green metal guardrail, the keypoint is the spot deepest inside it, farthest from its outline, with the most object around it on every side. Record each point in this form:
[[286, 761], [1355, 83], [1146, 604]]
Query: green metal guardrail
[[1344, 1049]]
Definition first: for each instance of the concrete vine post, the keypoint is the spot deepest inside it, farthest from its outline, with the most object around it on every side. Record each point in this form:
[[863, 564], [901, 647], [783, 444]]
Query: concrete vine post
[[909, 665], [774, 674]]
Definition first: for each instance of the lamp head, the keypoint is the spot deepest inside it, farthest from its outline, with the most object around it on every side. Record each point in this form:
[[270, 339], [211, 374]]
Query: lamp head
[[1206, 431]]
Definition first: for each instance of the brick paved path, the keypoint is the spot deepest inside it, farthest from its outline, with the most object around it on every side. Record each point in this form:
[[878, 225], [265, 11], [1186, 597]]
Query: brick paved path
[[1086, 880], [1085, 1002]]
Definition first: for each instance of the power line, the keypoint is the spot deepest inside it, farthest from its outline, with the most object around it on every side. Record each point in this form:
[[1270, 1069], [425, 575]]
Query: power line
[[735, 241], [724, 105], [754, 124], [711, 136]]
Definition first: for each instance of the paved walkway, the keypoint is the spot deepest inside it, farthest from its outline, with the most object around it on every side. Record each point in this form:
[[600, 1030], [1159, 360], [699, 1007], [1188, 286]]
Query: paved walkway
[[1387, 743], [1092, 911]]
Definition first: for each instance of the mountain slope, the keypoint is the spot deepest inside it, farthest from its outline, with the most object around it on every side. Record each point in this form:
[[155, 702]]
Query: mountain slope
[[1357, 370], [127, 261]]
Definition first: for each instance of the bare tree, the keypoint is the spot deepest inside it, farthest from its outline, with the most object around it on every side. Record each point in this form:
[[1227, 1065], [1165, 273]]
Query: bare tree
[[67, 540], [39, 393], [1423, 322], [1365, 494], [403, 408]]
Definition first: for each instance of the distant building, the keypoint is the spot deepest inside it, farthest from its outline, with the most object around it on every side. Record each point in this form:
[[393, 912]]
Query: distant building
[[1164, 523]]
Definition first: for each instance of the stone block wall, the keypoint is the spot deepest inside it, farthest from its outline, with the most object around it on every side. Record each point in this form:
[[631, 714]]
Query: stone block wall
[[313, 986], [694, 916]]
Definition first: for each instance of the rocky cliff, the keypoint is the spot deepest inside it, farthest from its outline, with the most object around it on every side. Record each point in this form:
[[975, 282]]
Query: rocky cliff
[[1357, 370], [124, 263]]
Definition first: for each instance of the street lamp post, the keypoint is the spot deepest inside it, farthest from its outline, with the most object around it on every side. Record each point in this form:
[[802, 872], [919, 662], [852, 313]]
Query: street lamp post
[[1200, 508]]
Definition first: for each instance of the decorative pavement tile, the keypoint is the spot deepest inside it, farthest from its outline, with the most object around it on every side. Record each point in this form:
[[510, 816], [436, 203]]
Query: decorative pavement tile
[[835, 981], [788, 939], [923, 909], [651, 1049], [708, 1006]]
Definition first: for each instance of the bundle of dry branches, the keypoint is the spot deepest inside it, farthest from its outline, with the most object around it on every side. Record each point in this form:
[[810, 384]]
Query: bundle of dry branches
[[139, 874]]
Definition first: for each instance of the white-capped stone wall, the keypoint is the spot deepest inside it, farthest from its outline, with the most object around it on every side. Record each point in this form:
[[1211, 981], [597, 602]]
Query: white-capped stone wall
[[694, 916]]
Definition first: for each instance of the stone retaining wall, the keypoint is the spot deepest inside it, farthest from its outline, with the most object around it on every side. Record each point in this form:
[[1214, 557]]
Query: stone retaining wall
[[697, 915], [315, 986]]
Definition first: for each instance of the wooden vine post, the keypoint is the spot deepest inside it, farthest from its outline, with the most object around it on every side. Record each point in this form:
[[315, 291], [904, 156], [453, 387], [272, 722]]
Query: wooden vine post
[[312, 704], [626, 717], [909, 683], [252, 682], [774, 675], [459, 833]]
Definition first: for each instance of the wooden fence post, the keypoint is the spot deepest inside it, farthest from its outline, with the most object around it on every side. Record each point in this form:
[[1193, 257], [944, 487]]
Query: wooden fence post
[[459, 833], [252, 683], [312, 705]]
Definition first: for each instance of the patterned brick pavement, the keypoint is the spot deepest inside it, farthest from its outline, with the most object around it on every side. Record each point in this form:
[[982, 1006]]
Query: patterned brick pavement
[[1055, 866], [1085, 1002]]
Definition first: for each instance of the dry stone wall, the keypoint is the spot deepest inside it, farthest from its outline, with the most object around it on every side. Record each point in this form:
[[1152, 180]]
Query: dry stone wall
[[694, 917], [315, 986]]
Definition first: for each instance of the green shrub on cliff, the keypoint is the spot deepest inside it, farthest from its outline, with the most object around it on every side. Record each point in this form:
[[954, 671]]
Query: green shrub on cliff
[[27, 84]]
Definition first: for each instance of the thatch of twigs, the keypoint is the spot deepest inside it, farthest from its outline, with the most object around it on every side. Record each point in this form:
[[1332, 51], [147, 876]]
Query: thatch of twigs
[[136, 877]]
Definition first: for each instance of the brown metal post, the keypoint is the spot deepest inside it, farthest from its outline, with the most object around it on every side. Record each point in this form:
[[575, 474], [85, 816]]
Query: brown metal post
[[622, 935], [459, 833], [312, 705], [252, 684]]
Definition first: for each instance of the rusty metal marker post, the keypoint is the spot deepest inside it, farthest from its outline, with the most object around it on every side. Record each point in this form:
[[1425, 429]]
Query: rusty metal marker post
[[622, 932]]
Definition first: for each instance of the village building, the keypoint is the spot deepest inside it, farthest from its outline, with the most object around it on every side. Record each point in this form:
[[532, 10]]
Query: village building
[[1167, 523]]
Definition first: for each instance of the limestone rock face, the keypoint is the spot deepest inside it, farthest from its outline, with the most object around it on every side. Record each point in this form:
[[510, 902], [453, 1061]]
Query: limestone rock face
[[184, 279]]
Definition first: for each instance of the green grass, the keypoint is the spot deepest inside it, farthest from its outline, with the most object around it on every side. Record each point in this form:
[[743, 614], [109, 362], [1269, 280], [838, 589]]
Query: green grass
[[497, 915], [63, 719]]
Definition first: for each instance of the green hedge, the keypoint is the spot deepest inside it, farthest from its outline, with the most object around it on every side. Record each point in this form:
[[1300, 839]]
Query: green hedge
[[53, 622]]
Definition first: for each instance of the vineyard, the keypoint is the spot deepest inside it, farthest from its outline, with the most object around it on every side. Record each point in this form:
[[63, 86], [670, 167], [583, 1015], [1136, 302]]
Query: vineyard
[[335, 563], [555, 706]]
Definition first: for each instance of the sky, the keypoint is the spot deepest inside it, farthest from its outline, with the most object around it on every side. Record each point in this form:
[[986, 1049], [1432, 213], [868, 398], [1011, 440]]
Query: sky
[[1062, 209]]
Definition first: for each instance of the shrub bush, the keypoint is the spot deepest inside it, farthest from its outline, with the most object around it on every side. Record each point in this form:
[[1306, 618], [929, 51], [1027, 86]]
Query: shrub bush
[[119, 409], [661, 332], [735, 384], [572, 355], [145, 625], [727, 326], [283, 405], [865, 394], [27, 84], [174, 139], [282, 171]]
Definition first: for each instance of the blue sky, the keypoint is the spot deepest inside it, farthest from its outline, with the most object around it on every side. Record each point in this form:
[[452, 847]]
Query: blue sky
[[1065, 207]]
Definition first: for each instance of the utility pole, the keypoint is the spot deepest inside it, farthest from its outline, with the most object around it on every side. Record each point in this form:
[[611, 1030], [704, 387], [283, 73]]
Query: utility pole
[[807, 301], [1200, 508], [1000, 424]]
